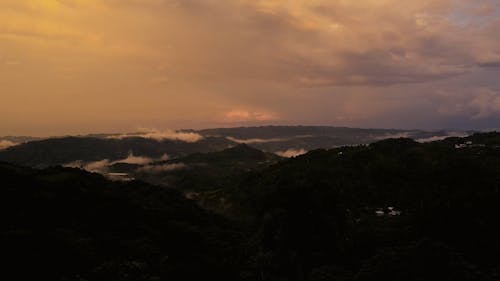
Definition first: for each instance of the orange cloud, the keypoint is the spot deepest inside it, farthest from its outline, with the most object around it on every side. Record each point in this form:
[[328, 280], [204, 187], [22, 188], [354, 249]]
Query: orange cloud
[[106, 64], [239, 115]]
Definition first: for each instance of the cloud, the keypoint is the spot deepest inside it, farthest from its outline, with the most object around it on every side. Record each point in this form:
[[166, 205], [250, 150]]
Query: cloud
[[292, 152], [74, 164], [442, 137], [95, 167], [241, 115], [162, 135], [304, 42], [156, 169], [256, 140], [324, 43], [303, 61], [131, 159], [394, 136], [102, 166], [475, 103], [491, 64], [6, 144]]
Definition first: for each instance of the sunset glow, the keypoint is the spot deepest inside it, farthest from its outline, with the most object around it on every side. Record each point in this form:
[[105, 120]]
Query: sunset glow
[[81, 66]]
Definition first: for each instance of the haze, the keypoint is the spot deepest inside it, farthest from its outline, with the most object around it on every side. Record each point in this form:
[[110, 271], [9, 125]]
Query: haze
[[79, 66]]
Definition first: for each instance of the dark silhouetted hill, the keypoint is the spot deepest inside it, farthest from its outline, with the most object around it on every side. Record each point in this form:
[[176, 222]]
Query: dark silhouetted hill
[[393, 210], [59, 151], [202, 171], [67, 224]]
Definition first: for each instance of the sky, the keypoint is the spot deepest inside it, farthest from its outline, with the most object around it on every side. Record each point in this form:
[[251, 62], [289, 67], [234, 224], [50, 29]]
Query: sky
[[86, 66]]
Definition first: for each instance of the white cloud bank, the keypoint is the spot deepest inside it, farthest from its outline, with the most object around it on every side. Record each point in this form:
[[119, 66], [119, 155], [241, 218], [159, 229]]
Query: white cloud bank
[[291, 152], [438, 138], [159, 135], [156, 169], [102, 166], [6, 144], [139, 160], [255, 140], [394, 136]]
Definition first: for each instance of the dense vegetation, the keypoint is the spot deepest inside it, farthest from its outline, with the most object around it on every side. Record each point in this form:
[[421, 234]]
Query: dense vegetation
[[66, 224], [392, 210], [317, 213]]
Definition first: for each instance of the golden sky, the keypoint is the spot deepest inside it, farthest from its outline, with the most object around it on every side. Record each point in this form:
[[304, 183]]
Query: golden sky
[[80, 66]]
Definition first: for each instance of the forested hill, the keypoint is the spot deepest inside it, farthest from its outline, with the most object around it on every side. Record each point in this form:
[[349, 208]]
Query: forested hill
[[60, 151], [202, 171], [67, 224], [392, 210]]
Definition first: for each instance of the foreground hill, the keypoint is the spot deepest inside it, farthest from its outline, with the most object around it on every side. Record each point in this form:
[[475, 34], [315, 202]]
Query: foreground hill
[[392, 210], [66, 224]]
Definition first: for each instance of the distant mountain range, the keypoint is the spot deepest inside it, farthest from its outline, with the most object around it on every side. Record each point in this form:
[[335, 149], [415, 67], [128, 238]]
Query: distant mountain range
[[282, 140]]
